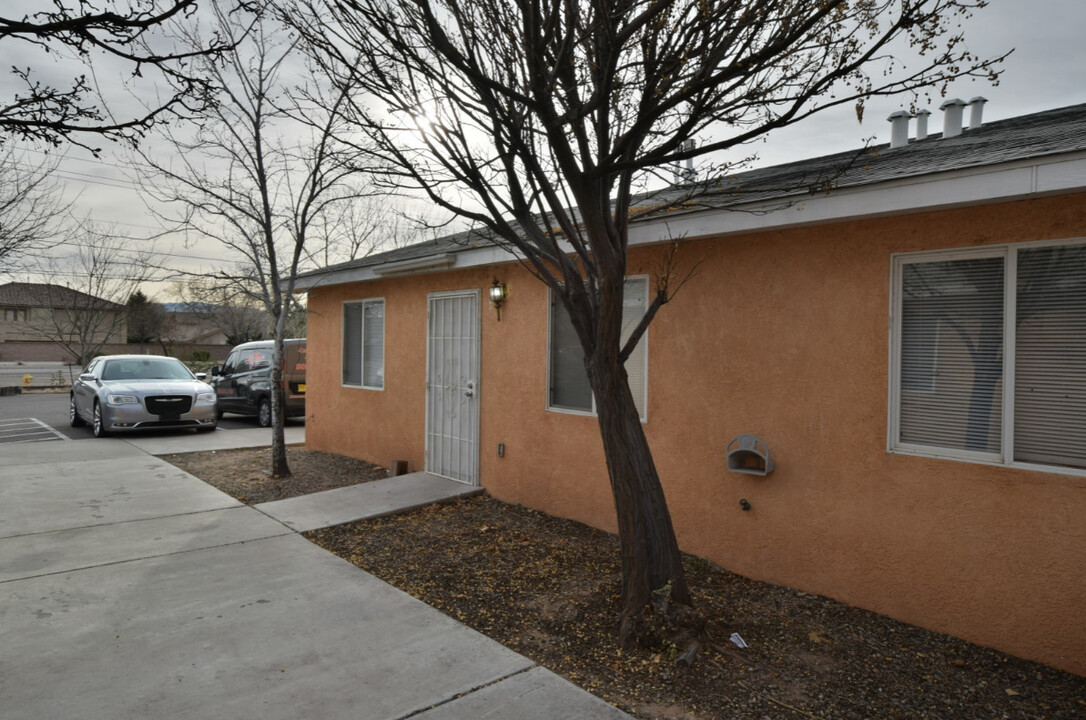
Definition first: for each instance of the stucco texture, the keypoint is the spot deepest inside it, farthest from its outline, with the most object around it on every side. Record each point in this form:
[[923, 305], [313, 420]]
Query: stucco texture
[[785, 335]]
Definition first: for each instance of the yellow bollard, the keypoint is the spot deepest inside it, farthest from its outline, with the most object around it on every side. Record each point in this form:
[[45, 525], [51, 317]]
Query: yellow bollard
[[27, 379]]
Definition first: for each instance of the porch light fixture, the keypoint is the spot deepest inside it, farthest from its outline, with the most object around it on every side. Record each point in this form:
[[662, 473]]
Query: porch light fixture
[[498, 293]]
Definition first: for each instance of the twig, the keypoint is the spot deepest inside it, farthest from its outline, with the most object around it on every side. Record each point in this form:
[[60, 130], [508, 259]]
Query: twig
[[731, 653], [687, 658]]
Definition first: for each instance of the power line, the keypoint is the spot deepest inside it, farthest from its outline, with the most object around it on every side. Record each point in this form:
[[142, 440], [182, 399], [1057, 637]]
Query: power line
[[93, 161]]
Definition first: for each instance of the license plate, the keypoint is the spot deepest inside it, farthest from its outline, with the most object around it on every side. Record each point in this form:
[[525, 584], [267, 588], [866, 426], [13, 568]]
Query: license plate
[[301, 387]]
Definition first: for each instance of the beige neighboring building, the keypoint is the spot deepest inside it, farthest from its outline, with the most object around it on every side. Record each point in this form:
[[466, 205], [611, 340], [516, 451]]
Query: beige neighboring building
[[38, 319], [192, 323]]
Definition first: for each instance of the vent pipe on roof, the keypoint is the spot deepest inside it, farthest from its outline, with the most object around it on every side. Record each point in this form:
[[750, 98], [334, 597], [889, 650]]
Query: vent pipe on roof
[[687, 173], [976, 112], [922, 124], [684, 169], [899, 128], [952, 117]]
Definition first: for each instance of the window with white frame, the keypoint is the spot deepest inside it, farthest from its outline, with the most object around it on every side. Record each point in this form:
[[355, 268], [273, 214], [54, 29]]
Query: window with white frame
[[364, 344], [989, 354], [568, 380]]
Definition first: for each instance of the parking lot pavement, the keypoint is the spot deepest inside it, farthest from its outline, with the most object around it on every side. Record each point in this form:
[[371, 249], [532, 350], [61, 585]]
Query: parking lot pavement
[[24, 430], [132, 590], [46, 416]]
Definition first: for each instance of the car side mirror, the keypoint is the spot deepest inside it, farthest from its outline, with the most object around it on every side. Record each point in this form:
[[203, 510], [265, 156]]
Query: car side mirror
[[87, 377], [201, 376], [215, 370]]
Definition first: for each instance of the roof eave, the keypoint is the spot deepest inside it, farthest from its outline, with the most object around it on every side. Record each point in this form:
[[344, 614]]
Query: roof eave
[[1050, 174]]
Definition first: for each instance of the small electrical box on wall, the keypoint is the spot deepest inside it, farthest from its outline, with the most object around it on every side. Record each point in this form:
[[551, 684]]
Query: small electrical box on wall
[[749, 455]]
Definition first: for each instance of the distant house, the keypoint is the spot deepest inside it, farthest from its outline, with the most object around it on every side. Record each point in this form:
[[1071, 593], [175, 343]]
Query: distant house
[[193, 323], [909, 345], [47, 322]]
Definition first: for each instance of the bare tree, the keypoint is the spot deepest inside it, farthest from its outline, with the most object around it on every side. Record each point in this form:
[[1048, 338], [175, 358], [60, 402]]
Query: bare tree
[[83, 307], [134, 35], [237, 314], [258, 176], [540, 120], [32, 208], [361, 227]]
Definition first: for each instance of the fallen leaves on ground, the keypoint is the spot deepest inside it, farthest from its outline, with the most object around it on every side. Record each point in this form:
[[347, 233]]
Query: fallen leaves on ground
[[548, 588], [245, 473]]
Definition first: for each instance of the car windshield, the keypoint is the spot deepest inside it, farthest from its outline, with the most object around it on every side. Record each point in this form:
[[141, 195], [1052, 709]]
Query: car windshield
[[145, 369]]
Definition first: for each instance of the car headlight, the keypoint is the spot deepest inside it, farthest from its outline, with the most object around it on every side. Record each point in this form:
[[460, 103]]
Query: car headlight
[[208, 397], [123, 400]]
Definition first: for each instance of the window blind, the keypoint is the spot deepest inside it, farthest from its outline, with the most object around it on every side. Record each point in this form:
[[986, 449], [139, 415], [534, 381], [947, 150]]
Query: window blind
[[952, 354], [373, 344], [1050, 356]]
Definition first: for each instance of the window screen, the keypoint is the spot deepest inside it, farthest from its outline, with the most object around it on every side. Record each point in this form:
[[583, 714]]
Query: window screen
[[352, 344], [364, 344], [569, 388]]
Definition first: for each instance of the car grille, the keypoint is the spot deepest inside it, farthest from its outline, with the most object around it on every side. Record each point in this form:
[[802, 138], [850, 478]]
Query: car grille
[[168, 404]]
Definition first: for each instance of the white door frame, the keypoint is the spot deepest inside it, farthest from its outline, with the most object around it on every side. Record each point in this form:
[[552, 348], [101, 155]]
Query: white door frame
[[466, 469]]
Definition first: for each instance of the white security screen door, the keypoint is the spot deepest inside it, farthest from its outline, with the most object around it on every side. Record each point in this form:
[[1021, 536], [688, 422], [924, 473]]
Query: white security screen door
[[452, 386]]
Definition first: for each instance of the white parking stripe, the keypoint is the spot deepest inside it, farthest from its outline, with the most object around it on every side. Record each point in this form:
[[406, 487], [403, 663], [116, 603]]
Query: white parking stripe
[[60, 435], [36, 430]]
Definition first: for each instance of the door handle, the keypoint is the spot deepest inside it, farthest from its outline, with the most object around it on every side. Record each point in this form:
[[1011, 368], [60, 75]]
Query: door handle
[[469, 390]]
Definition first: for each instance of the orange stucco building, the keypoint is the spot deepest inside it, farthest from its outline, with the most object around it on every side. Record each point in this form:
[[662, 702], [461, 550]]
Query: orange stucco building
[[834, 329]]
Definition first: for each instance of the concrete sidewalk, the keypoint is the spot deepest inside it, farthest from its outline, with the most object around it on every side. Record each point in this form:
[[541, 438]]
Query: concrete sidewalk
[[168, 443], [368, 500], [130, 589]]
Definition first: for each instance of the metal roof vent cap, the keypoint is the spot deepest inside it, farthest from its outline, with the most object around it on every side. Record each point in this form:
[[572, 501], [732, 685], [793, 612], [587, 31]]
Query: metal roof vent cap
[[976, 112], [899, 128], [952, 117], [922, 124]]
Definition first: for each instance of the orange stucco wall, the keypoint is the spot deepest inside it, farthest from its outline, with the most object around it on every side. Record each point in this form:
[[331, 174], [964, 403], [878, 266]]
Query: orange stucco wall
[[783, 334]]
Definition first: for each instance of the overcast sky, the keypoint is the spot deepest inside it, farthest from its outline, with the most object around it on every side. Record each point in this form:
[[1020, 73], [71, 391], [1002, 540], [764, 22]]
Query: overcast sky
[[1047, 70]]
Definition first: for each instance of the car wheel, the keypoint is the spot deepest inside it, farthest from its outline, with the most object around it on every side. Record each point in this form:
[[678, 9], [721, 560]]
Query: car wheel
[[263, 413], [73, 415], [218, 413], [99, 427]]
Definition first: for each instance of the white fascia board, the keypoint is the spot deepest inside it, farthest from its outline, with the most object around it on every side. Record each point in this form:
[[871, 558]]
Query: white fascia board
[[473, 257], [959, 188]]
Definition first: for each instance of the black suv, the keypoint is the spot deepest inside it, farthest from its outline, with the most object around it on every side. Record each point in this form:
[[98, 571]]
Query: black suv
[[243, 383]]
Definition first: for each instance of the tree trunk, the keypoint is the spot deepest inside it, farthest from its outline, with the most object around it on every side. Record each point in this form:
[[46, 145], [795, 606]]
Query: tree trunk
[[652, 569], [280, 468]]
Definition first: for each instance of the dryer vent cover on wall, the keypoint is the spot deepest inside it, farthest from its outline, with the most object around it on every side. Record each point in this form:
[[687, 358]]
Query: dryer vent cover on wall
[[748, 454]]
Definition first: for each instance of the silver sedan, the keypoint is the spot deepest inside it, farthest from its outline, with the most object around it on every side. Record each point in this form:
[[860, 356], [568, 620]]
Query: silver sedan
[[123, 393]]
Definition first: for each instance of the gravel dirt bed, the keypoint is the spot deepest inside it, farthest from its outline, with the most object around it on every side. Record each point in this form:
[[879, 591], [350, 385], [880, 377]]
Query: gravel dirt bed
[[246, 473], [548, 588]]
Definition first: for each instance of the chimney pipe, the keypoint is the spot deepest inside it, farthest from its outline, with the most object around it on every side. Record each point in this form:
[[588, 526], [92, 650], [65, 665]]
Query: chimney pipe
[[899, 128], [952, 117], [922, 124], [688, 173], [976, 111]]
